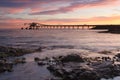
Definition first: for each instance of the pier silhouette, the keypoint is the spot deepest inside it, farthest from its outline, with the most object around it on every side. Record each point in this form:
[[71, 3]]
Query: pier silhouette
[[37, 26]]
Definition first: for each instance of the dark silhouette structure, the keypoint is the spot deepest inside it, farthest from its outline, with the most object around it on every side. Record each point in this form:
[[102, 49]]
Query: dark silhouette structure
[[102, 27], [114, 29], [37, 26]]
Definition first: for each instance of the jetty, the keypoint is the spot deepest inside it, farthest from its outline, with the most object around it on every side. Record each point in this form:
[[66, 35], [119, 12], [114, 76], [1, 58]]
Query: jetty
[[38, 26]]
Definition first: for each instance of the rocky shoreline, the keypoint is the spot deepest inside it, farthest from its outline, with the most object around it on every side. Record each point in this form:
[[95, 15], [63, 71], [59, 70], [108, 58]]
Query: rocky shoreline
[[9, 52], [110, 28], [67, 67], [76, 67]]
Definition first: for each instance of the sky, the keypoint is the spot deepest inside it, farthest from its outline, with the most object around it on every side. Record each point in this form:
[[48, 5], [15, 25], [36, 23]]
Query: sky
[[14, 13]]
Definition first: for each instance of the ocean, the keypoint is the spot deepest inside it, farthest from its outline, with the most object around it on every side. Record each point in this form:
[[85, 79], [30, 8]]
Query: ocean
[[57, 42], [91, 40]]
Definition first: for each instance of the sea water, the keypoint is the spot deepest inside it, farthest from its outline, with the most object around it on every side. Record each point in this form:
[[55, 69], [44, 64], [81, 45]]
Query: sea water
[[57, 42]]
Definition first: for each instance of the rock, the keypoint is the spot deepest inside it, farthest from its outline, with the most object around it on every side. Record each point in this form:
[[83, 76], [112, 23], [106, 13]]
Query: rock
[[50, 68], [5, 66], [11, 52], [62, 46], [89, 75], [39, 49], [105, 52], [4, 49], [41, 63], [19, 60], [23, 59], [75, 67], [55, 71], [118, 55], [36, 59], [72, 58], [8, 67]]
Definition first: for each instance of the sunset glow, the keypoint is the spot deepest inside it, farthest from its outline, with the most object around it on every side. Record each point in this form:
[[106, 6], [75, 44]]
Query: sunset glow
[[14, 13]]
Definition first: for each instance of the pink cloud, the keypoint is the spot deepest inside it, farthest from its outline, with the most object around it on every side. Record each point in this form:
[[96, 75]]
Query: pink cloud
[[77, 5], [36, 6]]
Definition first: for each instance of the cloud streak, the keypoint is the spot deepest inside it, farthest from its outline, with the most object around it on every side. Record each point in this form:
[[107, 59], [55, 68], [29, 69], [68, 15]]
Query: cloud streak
[[14, 6], [77, 4]]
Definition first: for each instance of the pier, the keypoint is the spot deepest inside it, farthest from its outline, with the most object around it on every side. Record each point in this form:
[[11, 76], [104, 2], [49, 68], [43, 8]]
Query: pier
[[38, 26], [61, 27]]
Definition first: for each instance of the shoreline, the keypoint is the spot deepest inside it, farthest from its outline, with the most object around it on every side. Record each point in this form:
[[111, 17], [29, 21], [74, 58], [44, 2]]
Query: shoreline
[[6, 64], [68, 64]]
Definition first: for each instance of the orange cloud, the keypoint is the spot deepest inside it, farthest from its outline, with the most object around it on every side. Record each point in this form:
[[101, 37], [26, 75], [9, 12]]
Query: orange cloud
[[93, 20], [18, 23]]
